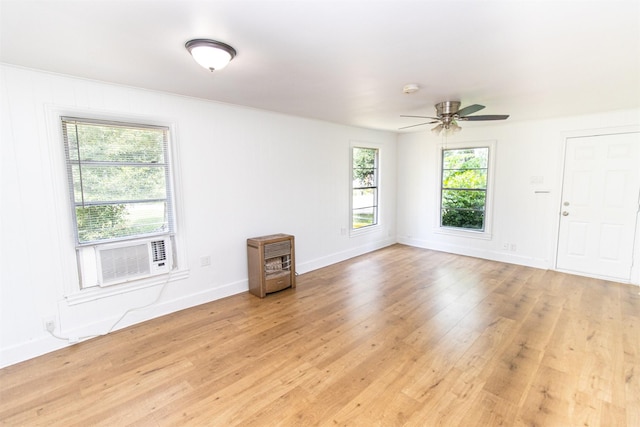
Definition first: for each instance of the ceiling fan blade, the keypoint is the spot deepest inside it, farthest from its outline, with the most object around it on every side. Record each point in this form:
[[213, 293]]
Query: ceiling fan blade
[[470, 109], [485, 117], [419, 124], [422, 117]]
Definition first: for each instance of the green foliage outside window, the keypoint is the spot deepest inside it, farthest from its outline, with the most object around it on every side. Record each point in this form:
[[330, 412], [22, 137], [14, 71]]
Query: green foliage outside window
[[97, 222], [464, 188], [364, 187]]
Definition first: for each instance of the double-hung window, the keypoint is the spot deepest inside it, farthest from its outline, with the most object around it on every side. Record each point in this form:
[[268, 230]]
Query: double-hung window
[[118, 175], [121, 200], [364, 195], [464, 179]]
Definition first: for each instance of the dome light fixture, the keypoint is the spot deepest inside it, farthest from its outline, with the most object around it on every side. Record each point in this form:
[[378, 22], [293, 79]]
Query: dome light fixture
[[212, 55]]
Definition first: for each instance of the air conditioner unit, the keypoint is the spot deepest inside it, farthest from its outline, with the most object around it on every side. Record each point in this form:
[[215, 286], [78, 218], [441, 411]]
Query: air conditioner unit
[[126, 261]]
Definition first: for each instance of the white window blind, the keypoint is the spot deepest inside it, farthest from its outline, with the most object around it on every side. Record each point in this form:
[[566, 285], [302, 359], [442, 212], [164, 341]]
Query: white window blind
[[119, 179]]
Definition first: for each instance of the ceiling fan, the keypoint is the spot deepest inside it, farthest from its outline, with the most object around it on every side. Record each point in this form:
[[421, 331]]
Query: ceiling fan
[[449, 113]]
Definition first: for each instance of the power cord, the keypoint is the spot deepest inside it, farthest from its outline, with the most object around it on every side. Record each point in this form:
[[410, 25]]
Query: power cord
[[51, 326], [131, 310]]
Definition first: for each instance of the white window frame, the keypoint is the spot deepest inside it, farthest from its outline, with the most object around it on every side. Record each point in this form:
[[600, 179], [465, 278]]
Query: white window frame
[[485, 234], [376, 226], [74, 293]]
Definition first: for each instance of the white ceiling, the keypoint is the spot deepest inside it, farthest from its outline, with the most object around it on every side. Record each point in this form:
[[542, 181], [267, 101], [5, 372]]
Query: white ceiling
[[347, 61]]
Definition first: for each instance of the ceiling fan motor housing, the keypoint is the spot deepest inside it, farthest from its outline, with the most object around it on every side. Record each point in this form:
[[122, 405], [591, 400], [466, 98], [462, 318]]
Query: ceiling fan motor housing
[[447, 107]]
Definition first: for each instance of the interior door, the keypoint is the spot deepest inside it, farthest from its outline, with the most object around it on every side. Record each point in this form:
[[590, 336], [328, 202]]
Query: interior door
[[600, 204]]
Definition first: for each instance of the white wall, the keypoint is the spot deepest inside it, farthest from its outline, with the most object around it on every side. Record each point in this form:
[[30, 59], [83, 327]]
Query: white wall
[[525, 211], [241, 173], [244, 173]]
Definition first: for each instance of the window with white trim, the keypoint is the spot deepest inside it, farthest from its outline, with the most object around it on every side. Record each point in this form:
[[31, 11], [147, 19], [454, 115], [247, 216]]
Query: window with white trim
[[121, 200], [118, 176], [464, 185], [364, 194]]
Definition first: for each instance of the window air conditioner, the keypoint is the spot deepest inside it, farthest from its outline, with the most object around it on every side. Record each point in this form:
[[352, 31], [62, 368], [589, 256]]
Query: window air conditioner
[[126, 261]]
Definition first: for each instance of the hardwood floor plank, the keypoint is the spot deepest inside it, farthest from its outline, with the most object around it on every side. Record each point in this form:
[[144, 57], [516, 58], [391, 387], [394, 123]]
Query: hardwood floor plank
[[512, 377], [548, 401], [613, 415], [439, 363], [399, 337], [490, 410], [587, 410], [392, 407], [567, 345]]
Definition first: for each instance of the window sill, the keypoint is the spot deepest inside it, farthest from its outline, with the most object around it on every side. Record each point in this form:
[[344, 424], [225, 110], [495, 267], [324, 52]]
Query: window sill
[[95, 292]]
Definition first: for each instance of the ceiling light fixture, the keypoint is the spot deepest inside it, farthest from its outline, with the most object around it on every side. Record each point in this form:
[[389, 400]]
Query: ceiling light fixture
[[449, 127], [211, 54]]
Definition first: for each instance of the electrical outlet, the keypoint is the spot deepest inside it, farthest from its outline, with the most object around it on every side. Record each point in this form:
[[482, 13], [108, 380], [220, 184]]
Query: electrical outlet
[[205, 261], [49, 324]]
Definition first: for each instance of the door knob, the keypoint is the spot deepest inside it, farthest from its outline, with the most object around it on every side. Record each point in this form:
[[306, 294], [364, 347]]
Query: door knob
[[565, 213]]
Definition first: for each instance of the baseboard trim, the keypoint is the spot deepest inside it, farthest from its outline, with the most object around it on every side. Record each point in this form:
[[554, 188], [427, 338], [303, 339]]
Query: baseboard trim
[[337, 257], [92, 329], [499, 256]]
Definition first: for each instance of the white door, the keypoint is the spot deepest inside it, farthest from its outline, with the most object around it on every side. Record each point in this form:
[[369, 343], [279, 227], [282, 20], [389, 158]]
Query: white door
[[599, 207]]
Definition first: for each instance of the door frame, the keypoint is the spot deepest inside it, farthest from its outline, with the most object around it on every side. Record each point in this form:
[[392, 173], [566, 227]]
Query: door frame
[[635, 269]]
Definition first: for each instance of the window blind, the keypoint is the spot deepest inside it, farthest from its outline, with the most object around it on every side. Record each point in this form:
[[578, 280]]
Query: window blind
[[119, 179]]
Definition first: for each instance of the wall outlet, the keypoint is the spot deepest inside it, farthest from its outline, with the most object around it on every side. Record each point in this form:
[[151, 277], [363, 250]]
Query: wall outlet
[[205, 261], [505, 246], [536, 179], [513, 247], [49, 324]]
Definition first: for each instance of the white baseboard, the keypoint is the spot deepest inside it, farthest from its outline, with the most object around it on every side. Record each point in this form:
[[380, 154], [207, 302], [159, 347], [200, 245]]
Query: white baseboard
[[25, 351], [337, 257], [45, 343], [501, 256]]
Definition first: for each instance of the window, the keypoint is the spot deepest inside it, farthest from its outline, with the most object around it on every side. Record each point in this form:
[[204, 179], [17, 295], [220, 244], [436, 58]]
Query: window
[[463, 203], [364, 196], [118, 178]]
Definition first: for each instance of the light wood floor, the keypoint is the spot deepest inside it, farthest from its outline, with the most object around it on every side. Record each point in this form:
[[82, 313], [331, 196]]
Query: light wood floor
[[401, 336]]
